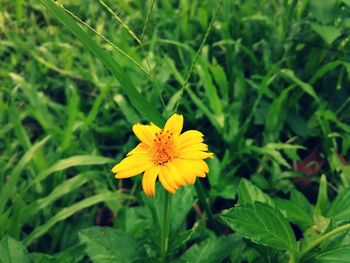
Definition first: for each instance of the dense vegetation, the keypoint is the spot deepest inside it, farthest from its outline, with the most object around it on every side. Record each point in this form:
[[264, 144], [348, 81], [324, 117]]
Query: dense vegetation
[[266, 81]]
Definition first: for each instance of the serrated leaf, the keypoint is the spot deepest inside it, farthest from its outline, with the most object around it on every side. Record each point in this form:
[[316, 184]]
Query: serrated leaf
[[108, 245], [71, 255], [294, 213], [212, 250], [12, 251], [340, 208], [249, 193], [180, 239], [338, 255], [261, 224]]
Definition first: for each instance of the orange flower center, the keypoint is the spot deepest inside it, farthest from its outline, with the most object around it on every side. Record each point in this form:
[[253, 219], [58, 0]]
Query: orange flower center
[[163, 148]]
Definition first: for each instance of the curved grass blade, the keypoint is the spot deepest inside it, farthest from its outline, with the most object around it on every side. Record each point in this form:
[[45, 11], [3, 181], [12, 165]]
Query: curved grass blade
[[9, 188], [78, 160], [69, 211], [61, 190]]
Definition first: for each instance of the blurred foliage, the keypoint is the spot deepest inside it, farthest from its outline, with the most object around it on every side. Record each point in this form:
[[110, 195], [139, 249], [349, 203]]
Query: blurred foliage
[[269, 90]]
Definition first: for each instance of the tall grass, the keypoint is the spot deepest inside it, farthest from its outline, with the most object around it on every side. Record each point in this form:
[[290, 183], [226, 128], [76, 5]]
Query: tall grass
[[267, 81]]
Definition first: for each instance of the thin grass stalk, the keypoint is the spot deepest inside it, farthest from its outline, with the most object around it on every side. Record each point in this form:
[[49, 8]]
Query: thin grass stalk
[[184, 86], [120, 21]]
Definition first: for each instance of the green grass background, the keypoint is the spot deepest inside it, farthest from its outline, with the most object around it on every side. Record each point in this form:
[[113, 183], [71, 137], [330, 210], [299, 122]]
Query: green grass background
[[270, 85]]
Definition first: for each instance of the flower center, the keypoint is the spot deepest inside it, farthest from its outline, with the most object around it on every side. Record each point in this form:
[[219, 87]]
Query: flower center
[[163, 148]]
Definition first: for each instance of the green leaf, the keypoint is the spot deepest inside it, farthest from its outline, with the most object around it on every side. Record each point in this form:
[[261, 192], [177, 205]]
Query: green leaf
[[338, 255], [298, 198], [269, 151], [340, 208], [340, 239], [261, 224], [294, 213], [179, 206], [180, 239], [275, 117], [249, 193], [211, 250], [323, 11], [129, 113], [108, 245], [210, 89], [289, 74], [146, 109], [328, 33], [71, 255], [322, 198], [12, 251]]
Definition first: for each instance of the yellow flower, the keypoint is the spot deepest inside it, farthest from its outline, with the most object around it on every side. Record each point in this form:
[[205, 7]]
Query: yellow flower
[[177, 159]]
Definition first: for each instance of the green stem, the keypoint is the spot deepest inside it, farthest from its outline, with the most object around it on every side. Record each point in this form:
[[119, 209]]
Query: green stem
[[204, 204], [292, 257], [165, 228], [324, 237]]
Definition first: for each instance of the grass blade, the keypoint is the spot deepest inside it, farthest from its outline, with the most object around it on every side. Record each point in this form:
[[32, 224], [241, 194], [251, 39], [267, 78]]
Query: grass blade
[[71, 210], [78, 160]]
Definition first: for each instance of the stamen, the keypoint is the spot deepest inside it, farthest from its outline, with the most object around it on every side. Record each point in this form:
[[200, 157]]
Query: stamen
[[163, 148]]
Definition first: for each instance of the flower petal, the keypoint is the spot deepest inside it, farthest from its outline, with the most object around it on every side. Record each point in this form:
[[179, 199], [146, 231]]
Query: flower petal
[[174, 124], [140, 149], [188, 138], [180, 167], [131, 166], [195, 155], [193, 167], [176, 174], [145, 133], [164, 182], [149, 181], [194, 147]]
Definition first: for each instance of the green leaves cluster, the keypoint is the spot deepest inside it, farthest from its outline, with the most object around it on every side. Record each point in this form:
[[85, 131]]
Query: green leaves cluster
[[268, 86], [266, 222]]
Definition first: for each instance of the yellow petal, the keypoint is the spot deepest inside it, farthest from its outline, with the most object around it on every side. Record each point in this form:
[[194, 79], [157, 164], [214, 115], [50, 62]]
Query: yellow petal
[[140, 149], [188, 138], [131, 166], [188, 176], [174, 124], [164, 182], [193, 167], [149, 181], [145, 133], [176, 174], [195, 147], [195, 155]]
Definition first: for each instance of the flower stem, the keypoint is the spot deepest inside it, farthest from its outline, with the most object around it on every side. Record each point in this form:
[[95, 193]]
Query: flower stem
[[204, 203], [324, 237], [165, 228]]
